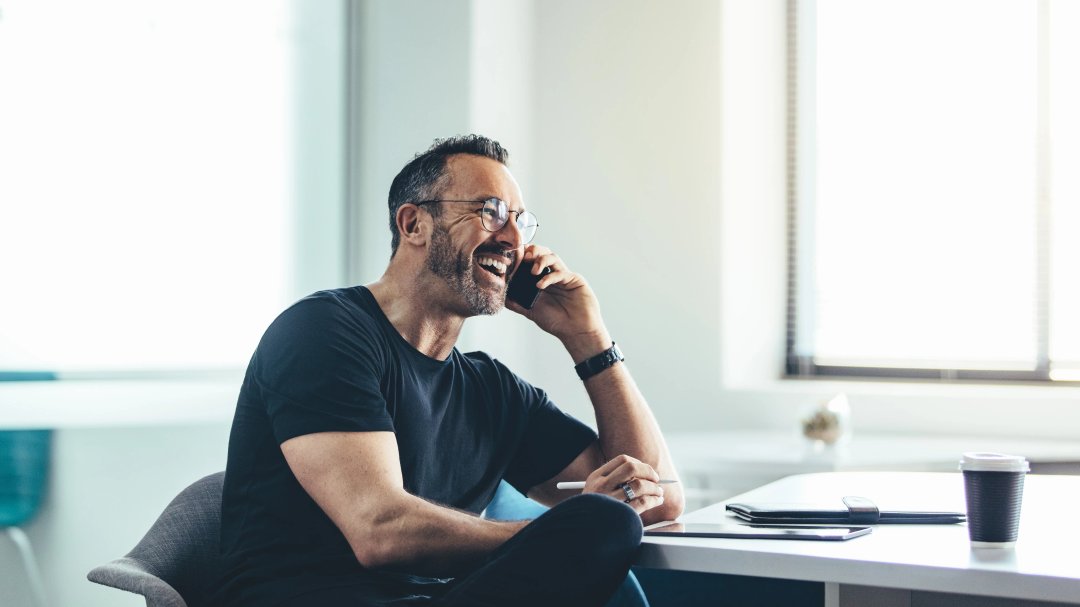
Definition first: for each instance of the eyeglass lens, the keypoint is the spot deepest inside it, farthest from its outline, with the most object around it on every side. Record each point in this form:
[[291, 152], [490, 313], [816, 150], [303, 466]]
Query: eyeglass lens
[[495, 215]]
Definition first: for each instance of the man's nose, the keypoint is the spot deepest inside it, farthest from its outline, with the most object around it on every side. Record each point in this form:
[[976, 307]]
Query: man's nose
[[510, 235]]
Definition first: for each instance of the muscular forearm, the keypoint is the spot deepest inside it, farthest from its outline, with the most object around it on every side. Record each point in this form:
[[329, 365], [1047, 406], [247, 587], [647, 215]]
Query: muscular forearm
[[625, 423], [356, 479], [410, 534], [570, 311]]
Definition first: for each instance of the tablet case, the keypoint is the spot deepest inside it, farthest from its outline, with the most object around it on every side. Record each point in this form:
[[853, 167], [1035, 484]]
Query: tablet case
[[761, 532], [857, 511]]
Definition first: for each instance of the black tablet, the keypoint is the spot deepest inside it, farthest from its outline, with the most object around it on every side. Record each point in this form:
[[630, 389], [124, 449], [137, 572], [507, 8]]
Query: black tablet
[[758, 533]]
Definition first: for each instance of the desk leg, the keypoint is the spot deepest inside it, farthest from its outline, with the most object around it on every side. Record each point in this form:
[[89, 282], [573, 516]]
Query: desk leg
[[832, 594]]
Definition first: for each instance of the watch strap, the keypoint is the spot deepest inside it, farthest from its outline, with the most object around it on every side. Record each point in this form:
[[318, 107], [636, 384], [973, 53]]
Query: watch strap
[[591, 366]]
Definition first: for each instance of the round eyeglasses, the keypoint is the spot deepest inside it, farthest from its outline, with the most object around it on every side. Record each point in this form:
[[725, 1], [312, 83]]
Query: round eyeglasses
[[494, 215]]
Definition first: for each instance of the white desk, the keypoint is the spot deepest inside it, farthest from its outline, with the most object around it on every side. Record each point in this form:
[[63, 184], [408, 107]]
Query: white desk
[[898, 562]]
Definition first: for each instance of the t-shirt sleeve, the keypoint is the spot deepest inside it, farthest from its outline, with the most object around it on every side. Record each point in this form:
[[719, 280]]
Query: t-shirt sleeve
[[318, 368], [550, 440]]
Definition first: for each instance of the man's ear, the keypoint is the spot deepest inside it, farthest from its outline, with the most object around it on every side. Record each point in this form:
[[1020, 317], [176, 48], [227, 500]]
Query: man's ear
[[413, 225]]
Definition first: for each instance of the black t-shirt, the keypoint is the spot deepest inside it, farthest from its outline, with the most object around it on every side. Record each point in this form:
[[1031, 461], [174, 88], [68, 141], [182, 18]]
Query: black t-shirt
[[333, 362]]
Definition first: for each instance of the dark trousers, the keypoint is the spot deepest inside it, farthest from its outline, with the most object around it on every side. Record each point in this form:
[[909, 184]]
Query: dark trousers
[[576, 554]]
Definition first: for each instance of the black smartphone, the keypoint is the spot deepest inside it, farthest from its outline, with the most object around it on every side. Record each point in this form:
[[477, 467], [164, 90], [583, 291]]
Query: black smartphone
[[522, 287]]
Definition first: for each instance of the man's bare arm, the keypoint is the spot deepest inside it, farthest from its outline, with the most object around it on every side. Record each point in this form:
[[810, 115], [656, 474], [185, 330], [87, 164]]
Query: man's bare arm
[[627, 428], [355, 477], [570, 311]]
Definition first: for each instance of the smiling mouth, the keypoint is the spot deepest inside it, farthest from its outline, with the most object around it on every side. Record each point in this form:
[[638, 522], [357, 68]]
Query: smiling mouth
[[493, 265]]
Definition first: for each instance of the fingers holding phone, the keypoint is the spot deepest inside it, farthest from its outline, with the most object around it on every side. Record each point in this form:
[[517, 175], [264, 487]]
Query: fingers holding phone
[[558, 300], [524, 288], [531, 276]]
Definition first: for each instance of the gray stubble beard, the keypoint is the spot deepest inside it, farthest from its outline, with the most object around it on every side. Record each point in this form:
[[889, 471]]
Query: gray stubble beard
[[455, 270]]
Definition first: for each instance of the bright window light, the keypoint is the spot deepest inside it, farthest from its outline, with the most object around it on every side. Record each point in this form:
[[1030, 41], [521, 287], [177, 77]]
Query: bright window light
[[1064, 19], [934, 137], [144, 172]]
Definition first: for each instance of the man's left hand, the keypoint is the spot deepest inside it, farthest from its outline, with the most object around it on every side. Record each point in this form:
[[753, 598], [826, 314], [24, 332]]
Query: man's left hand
[[629, 480], [567, 307]]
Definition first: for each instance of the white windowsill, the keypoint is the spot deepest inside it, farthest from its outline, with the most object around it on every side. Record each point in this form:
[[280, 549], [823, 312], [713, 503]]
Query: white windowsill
[[113, 403], [915, 408]]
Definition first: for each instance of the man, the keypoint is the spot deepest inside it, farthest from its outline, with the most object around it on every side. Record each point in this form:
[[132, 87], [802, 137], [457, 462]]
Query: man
[[364, 444]]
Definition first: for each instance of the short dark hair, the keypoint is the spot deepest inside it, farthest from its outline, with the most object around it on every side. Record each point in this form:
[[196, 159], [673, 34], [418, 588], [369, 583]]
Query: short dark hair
[[424, 177]]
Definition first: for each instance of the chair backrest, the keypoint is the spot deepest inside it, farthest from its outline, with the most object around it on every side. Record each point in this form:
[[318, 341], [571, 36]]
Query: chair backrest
[[178, 557], [182, 545]]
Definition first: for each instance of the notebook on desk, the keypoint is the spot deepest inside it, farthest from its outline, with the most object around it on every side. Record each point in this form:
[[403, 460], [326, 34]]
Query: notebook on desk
[[854, 511]]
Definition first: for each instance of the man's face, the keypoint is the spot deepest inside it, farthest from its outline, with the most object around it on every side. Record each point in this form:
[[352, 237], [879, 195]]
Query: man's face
[[474, 263]]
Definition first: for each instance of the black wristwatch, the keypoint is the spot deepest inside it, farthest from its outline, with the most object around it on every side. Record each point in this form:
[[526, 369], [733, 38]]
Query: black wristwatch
[[591, 366]]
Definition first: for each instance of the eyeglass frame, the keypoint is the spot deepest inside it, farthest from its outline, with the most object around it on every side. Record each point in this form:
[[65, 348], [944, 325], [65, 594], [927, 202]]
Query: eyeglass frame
[[483, 221]]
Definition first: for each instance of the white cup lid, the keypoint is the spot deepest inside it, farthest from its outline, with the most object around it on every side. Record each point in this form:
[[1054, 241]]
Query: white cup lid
[[993, 462]]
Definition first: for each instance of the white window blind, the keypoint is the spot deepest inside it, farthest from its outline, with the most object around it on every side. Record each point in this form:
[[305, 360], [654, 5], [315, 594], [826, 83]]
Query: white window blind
[[144, 182], [1063, 31], [934, 201]]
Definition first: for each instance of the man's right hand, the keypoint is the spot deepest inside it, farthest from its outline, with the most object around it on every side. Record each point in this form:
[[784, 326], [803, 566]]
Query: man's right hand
[[621, 470]]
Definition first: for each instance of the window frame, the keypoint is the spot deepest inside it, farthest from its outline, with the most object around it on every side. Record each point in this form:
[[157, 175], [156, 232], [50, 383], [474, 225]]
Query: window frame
[[800, 132]]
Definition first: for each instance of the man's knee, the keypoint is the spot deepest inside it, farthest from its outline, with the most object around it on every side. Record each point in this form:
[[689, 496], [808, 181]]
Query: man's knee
[[604, 522]]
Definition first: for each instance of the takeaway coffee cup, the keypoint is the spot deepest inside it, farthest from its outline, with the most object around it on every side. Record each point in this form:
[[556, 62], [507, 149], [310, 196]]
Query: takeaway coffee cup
[[994, 490]]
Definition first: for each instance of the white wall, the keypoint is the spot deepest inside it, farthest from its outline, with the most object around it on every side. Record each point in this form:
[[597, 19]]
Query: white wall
[[319, 135], [435, 69], [627, 160], [412, 69]]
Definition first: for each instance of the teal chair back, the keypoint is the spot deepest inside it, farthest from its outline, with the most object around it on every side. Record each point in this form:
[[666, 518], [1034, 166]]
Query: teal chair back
[[24, 465]]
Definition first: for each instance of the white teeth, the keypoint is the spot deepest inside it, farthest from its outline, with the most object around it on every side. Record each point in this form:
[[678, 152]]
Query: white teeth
[[493, 263]]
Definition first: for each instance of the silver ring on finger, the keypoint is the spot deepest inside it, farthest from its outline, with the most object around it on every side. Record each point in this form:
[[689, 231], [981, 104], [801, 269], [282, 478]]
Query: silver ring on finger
[[628, 491]]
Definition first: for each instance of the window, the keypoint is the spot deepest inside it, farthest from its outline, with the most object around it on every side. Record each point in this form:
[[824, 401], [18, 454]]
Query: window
[[933, 200], [145, 182]]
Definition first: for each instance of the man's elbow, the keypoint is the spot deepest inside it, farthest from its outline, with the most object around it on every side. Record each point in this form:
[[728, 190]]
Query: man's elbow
[[379, 542], [379, 549], [374, 555], [674, 507], [671, 509]]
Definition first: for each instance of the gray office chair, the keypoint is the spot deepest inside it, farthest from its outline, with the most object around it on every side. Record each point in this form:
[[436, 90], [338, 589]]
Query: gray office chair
[[176, 558]]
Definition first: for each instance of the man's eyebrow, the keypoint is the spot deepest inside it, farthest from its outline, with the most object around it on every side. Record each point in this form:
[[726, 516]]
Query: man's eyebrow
[[511, 209], [508, 207]]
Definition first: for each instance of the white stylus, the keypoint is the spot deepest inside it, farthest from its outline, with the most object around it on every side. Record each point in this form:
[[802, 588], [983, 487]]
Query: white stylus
[[581, 484]]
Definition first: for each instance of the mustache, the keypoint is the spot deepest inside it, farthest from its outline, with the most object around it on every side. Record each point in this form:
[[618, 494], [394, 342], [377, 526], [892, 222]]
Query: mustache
[[509, 254]]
